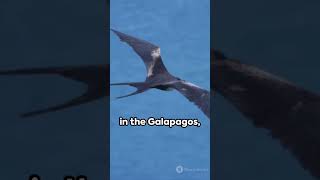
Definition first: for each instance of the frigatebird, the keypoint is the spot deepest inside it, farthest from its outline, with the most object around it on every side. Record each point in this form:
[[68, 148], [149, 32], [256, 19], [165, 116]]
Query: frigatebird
[[290, 113], [94, 76], [158, 76]]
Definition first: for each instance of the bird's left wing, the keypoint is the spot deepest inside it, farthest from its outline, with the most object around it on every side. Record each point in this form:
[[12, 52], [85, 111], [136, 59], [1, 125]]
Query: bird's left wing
[[94, 76], [86, 97], [195, 94], [149, 53]]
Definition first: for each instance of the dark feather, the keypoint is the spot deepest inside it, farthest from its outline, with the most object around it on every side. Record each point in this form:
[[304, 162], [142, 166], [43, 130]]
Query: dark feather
[[195, 94], [94, 76], [290, 113], [149, 53]]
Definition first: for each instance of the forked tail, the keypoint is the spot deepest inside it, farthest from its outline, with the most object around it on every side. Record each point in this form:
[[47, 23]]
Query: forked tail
[[141, 87]]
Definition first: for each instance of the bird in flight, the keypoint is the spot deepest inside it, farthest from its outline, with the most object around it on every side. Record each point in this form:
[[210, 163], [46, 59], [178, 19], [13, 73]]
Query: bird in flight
[[94, 76], [158, 76], [290, 113]]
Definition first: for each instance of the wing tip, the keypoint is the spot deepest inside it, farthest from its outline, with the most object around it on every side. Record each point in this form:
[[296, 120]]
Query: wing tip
[[118, 33]]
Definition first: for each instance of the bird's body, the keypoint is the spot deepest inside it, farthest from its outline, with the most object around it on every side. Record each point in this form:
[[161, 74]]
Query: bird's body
[[158, 77], [290, 113]]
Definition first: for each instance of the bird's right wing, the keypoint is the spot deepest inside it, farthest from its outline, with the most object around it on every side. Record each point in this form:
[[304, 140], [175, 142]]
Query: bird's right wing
[[94, 76], [195, 94], [149, 53], [290, 114]]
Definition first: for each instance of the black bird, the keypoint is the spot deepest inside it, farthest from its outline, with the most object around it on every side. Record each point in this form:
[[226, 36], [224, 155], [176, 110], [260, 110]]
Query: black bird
[[290, 113], [158, 77], [95, 76]]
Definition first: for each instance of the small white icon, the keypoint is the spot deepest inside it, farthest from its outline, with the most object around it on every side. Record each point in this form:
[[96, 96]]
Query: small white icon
[[179, 169]]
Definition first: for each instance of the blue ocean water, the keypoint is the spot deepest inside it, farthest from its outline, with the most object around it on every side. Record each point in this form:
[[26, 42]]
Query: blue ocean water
[[182, 30]]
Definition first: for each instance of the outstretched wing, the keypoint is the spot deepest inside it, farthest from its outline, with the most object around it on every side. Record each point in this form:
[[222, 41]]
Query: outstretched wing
[[149, 53], [94, 76], [88, 96], [195, 94], [290, 113]]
